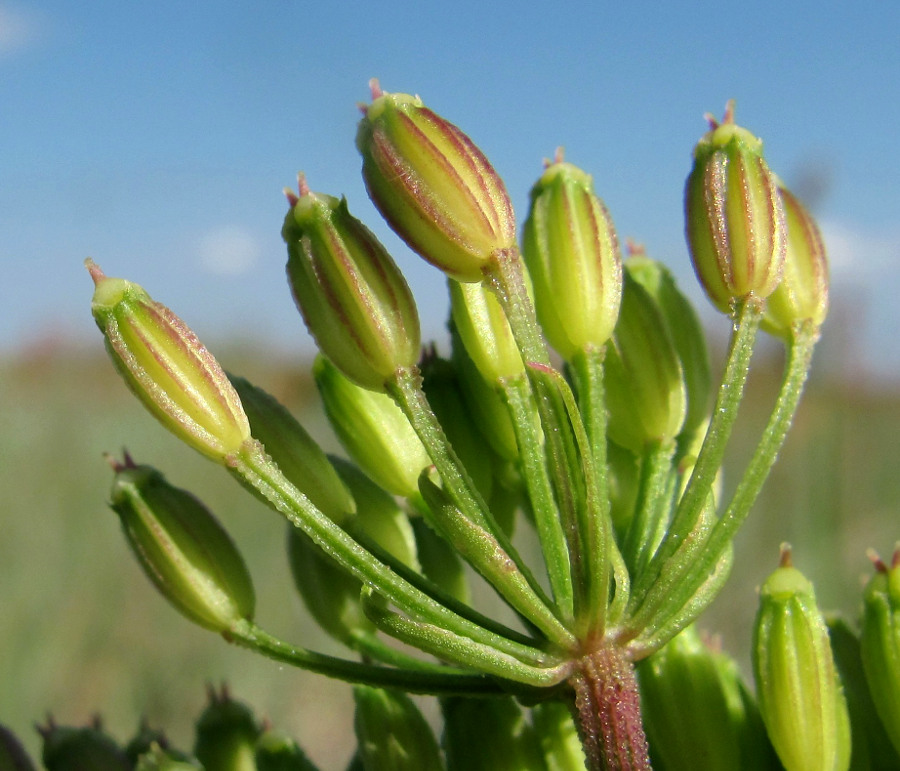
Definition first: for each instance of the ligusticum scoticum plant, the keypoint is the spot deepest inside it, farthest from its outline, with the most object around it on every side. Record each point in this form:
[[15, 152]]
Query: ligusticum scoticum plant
[[577, 400]]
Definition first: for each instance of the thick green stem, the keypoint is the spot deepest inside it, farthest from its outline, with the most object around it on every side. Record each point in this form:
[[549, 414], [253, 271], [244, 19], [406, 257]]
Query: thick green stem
[[506, 279], [648, 525], [518, 396], [607, 712], [698, 562], [597, 526], [495, 555], [748, 313], [253, 466], [800, 350], [248, 635]]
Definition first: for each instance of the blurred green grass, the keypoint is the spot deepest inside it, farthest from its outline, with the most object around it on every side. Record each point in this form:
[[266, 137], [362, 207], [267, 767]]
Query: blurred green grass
[[82, 631]]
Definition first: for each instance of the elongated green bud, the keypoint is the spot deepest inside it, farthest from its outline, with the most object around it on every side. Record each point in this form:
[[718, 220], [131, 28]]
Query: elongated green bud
[[735, 218], [432, 184], [685, 330], [484, 331], [373, 430], [572, 252], [182, 548], [697, 711], [276, 751], [391, 732], [644, 382], [802, 294], [872, 749], [353, 298], [881, 643], [489, 735], [167, 367], [227, 732], [799, 691], [295, 452], [81, 749]]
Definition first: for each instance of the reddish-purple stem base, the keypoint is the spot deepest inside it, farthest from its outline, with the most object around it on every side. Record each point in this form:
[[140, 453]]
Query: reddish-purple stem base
[[607, 712]]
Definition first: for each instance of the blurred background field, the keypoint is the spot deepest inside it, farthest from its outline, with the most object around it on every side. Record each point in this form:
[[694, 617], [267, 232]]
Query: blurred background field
[[82, 631]]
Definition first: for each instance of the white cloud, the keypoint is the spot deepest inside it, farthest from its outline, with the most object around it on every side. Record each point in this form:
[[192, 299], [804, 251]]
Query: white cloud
[[19, 29], [860, 255], [229, 251]]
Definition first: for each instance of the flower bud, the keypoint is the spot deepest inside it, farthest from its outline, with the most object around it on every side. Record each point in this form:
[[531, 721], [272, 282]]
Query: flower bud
[[435, 188], [81, 749], [352, 295], [803, 292], [800, 694], [227, 732], [167, 367], [880, 643], [182, 548], [373, 430], [295, 452], [735, 218], [686, 332], [391, 732], [276, 751], [484, 331], [489, 735], [644, 382], [697, 711], [572, 253]]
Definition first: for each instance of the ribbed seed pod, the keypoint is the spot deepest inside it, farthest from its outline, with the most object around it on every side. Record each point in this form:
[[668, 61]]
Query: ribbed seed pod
[[226, 734], [373, 430], [880, 643], [685, 331], [484, 331], [168, 368], [697, 711], [572, 252], [489, 735], [645, 388], [799, 691], [182, 548], [352, 295], [735, 218], [802, 294], [435, 188], [391, 732]]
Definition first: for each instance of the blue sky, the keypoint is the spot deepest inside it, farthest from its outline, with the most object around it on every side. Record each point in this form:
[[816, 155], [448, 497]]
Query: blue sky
[[157, 138]]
